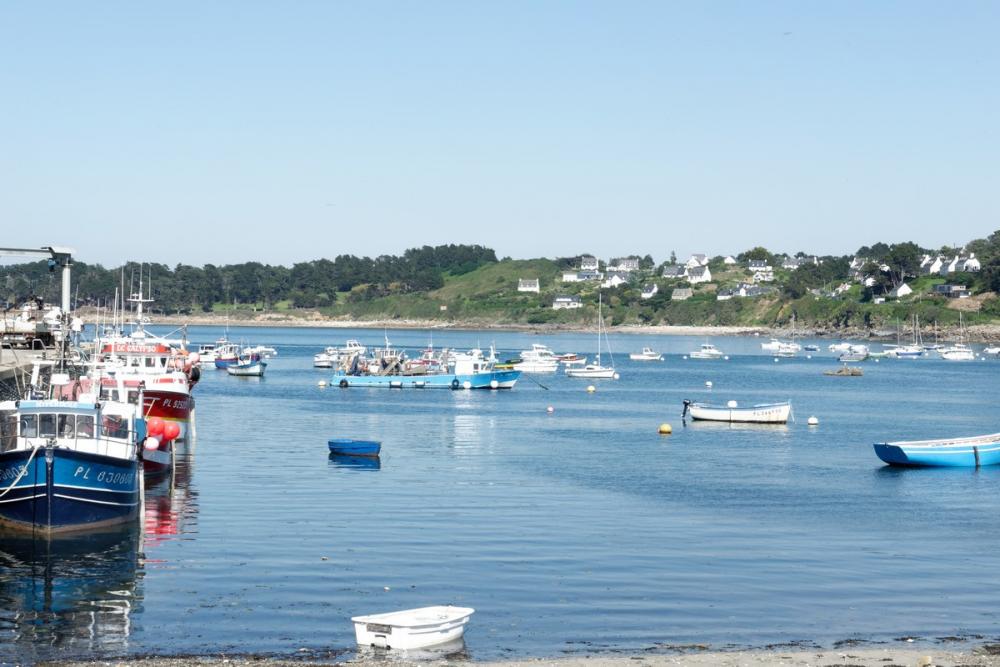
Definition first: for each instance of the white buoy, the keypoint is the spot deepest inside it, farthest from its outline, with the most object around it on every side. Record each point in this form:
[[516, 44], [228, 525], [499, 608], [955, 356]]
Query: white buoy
[[708, 383], [616, 376], [467, 385], [494, 384], [591, 389], [726, 357], [731, 404], [809, 356], [776, 360], [685, 357], [321, 383], [812, 421], [550, 409]]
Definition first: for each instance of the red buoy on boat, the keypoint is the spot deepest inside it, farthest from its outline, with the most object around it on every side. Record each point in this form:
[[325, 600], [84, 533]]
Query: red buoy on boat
[[170, 431], [154, 426]]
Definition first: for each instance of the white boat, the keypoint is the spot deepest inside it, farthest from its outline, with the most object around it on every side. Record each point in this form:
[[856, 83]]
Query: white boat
[[769, 413], [647, 354], [327, 358], [412, 628], [904, 351], [596, 370], [855, 352], [993, 350], [265, 351], [839, 347], [571, 359], [539, 359], [958, 352], [707, 351]]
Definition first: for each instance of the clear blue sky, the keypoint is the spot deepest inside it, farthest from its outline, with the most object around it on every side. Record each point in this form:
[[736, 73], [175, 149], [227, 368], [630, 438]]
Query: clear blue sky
[[222, 132]]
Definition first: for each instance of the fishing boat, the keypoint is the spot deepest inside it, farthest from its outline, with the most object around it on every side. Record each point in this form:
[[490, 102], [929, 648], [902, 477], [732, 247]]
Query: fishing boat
[[68, 464], [982, 450], [350, 447], [647, 354], [249, 365], [768, 413], [228, 353], [596, 370], [571, 359], [854, 353], [412, 628], [464, 370], [706, 351]]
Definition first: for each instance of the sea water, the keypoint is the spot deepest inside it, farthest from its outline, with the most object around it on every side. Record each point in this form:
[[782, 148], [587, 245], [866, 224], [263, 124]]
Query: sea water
[[572, 531]]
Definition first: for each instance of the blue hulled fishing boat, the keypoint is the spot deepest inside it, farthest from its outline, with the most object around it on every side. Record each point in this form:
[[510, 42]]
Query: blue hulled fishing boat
[[469, 370], [982, 450], [69, 464]]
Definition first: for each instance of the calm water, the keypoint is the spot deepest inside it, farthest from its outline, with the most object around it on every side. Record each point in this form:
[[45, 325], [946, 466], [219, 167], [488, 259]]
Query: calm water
[[577, 531]]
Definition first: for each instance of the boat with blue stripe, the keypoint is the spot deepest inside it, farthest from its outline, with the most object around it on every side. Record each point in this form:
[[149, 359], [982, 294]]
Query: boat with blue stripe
[[464, 371], [69, 465], [972, 452], [351, 447]]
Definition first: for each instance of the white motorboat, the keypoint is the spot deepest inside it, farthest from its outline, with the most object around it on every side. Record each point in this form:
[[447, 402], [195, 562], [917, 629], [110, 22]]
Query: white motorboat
[[412, 628], [572, 359], [904, 351], [769, 413], [992, 350], [327, 358], [856, 352], [707, 351], [539, 359], [647, 354], [958, 352], [839, 347]]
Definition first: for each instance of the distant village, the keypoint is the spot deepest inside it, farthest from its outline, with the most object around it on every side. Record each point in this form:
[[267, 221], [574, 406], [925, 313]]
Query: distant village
[[751, 278]]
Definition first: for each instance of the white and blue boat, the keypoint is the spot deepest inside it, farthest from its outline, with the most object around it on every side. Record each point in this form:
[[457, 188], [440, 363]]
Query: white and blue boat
[[69, 465], [470, 370], [980, 450], [351, 447]]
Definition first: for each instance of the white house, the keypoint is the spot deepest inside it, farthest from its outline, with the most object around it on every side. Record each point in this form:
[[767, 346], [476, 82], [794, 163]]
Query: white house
[[566, 302], [724, 295], [697, 260], [588, 263], [571, 277], [649, 291], [761, 270], [699, 274], [901, 291], [952, 266], [729, 260], [931, 265], [614, 279], [624, 264], [681, 294], [674, 271], [971, 264], [528, 285]]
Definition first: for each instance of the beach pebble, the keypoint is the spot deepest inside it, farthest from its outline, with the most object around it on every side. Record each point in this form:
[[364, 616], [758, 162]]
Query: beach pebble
[[925, 661]]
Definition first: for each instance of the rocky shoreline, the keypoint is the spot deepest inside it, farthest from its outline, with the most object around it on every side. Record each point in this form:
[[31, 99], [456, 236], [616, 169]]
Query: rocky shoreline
[[982, 333]]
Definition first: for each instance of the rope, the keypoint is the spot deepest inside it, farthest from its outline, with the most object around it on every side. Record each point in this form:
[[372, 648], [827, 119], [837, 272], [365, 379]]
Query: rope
[[24, 471]]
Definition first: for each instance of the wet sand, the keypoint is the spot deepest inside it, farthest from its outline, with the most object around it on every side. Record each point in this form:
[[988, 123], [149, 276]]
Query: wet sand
[[959, 654]]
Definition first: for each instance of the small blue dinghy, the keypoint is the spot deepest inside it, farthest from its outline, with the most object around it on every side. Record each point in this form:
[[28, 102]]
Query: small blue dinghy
[[349, 447], [982, 450]]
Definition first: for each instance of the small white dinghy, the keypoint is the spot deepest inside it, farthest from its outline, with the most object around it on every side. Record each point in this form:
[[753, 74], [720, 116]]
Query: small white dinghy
[[412, 628]]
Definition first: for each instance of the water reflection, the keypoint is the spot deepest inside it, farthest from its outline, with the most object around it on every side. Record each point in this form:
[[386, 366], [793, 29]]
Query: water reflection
[[171, 505], [355, 462], [68, 596]]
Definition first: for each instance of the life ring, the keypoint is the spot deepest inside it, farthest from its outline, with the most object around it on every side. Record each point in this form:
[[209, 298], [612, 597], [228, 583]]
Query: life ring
[[344, 384], [455, 384]]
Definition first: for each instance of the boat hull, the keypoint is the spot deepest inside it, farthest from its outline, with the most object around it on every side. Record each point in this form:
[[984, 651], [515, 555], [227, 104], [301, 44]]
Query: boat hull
[[492, 380], [347, 447], [962, 453], [64, 490], [412, 628], [775, 413]]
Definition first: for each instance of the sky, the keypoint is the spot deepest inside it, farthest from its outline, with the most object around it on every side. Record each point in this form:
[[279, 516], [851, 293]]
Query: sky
[[225, 132]]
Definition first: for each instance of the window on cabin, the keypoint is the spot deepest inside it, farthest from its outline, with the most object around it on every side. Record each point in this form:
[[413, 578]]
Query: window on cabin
[[47, 426], [133, 397], [150, 362], [67, 426], [8, 433], [85, 426], [114, 426], [29, 426]]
